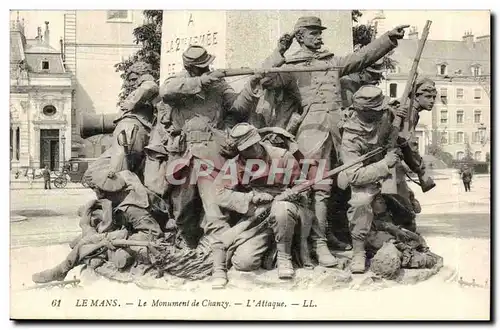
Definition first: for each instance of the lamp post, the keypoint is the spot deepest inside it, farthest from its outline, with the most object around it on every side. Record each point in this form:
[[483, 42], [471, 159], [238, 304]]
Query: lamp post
[[63, 141]]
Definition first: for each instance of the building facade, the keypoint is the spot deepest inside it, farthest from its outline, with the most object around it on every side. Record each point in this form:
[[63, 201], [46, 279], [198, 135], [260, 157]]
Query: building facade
[[94, 41], [460, 121], [40, 101]]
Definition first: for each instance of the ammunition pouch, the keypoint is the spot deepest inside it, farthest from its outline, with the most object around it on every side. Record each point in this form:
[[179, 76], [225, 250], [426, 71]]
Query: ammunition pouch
[[198, 136], [294, 123], [176, 142]]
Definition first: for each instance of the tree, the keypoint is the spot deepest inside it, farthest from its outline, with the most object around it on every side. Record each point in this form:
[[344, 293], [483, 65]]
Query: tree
[[149, 36], [363, 34]]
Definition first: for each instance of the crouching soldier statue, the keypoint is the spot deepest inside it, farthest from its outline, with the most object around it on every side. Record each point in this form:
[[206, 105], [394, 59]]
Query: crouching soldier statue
[[124, 210], [362, 134], [264, 172]]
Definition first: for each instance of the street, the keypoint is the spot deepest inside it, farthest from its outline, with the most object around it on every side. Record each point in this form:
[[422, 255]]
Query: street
[[447, 210]]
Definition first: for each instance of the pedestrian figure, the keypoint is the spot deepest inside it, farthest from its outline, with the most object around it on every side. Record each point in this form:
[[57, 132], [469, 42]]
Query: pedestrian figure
[[466, 177], [46, 177]]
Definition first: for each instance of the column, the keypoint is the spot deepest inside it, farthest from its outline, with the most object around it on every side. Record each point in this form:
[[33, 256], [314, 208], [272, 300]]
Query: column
[[14, 144]]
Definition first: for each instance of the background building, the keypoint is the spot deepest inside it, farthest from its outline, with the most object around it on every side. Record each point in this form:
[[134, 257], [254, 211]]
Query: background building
[[460, 120], [94, 41], [40, 101]]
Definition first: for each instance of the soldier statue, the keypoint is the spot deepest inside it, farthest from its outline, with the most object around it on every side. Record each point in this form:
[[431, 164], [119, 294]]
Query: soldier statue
[[363, 133], [317, 131], [246, 196], [201, 105]]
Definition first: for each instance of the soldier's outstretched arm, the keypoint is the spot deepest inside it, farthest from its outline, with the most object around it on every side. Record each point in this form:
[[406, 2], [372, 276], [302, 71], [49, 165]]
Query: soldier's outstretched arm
[[371, 53], [178, 86], [147, 91], [229, 198]]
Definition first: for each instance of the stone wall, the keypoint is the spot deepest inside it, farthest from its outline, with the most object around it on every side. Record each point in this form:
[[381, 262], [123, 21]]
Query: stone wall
[[242, 38]]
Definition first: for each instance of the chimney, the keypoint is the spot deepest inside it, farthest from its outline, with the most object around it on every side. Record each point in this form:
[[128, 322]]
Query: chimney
[[468, 38], [39, 34], [62, 48], [486, 39], [46, 35], [413, 35]]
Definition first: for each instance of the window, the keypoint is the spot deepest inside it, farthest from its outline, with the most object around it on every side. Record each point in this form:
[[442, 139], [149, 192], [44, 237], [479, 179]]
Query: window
[[476, 137], [444, 95], [49, 110], [395, 69], [477, 116], [460, 116], [459, 137], [477, 155], [477, 94], [11, 143], [460, 93], [45, 65], [460, 155], [119, 16], [444, 138], [444, 116], [18, 142], [442, 69], [393, 90]]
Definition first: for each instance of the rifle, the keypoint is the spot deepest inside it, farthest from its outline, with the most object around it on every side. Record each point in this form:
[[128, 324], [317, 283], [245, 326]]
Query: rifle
[[389, 186], [265, 71], [262, 214]]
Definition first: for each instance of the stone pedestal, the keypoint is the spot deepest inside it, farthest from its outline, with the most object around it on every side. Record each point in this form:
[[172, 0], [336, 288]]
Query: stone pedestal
[[240, 38]]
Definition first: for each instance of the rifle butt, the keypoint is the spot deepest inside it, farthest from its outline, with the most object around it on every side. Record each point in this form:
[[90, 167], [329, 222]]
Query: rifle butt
[[390, 185]]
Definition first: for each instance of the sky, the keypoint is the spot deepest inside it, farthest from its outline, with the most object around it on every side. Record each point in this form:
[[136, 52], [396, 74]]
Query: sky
[[446, 25]]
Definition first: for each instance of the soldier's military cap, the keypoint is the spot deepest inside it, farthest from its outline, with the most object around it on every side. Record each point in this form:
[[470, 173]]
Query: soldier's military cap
[[309, 21], [197, 56], [368, 98], [107, 181], [426, 86], [244, 135]]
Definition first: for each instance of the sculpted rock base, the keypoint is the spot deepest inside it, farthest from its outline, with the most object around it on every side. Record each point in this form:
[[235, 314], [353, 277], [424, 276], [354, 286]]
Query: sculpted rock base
[[317, 278]]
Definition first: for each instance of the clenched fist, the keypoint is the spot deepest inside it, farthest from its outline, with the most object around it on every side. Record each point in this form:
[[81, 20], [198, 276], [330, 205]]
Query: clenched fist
[[261, 198], [211, 77], [285, 42], [391, 158], [402, 112], [398, 32]]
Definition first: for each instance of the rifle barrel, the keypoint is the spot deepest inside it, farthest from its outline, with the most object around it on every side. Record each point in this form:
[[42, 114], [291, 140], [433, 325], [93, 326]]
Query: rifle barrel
[[304, 186], [411, 77], [245, 71]]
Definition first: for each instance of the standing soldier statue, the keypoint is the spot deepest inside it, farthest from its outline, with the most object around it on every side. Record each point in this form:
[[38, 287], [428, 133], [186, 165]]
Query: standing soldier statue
[[133, 126], [403, 205], [200, 105], [317, 129]]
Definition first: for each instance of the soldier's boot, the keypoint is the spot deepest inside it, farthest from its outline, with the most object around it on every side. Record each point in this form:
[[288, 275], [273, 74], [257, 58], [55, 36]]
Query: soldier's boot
[[358, 262], [334, 242], [324, 256], [284, 260], [58, 273], [219, 274]]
